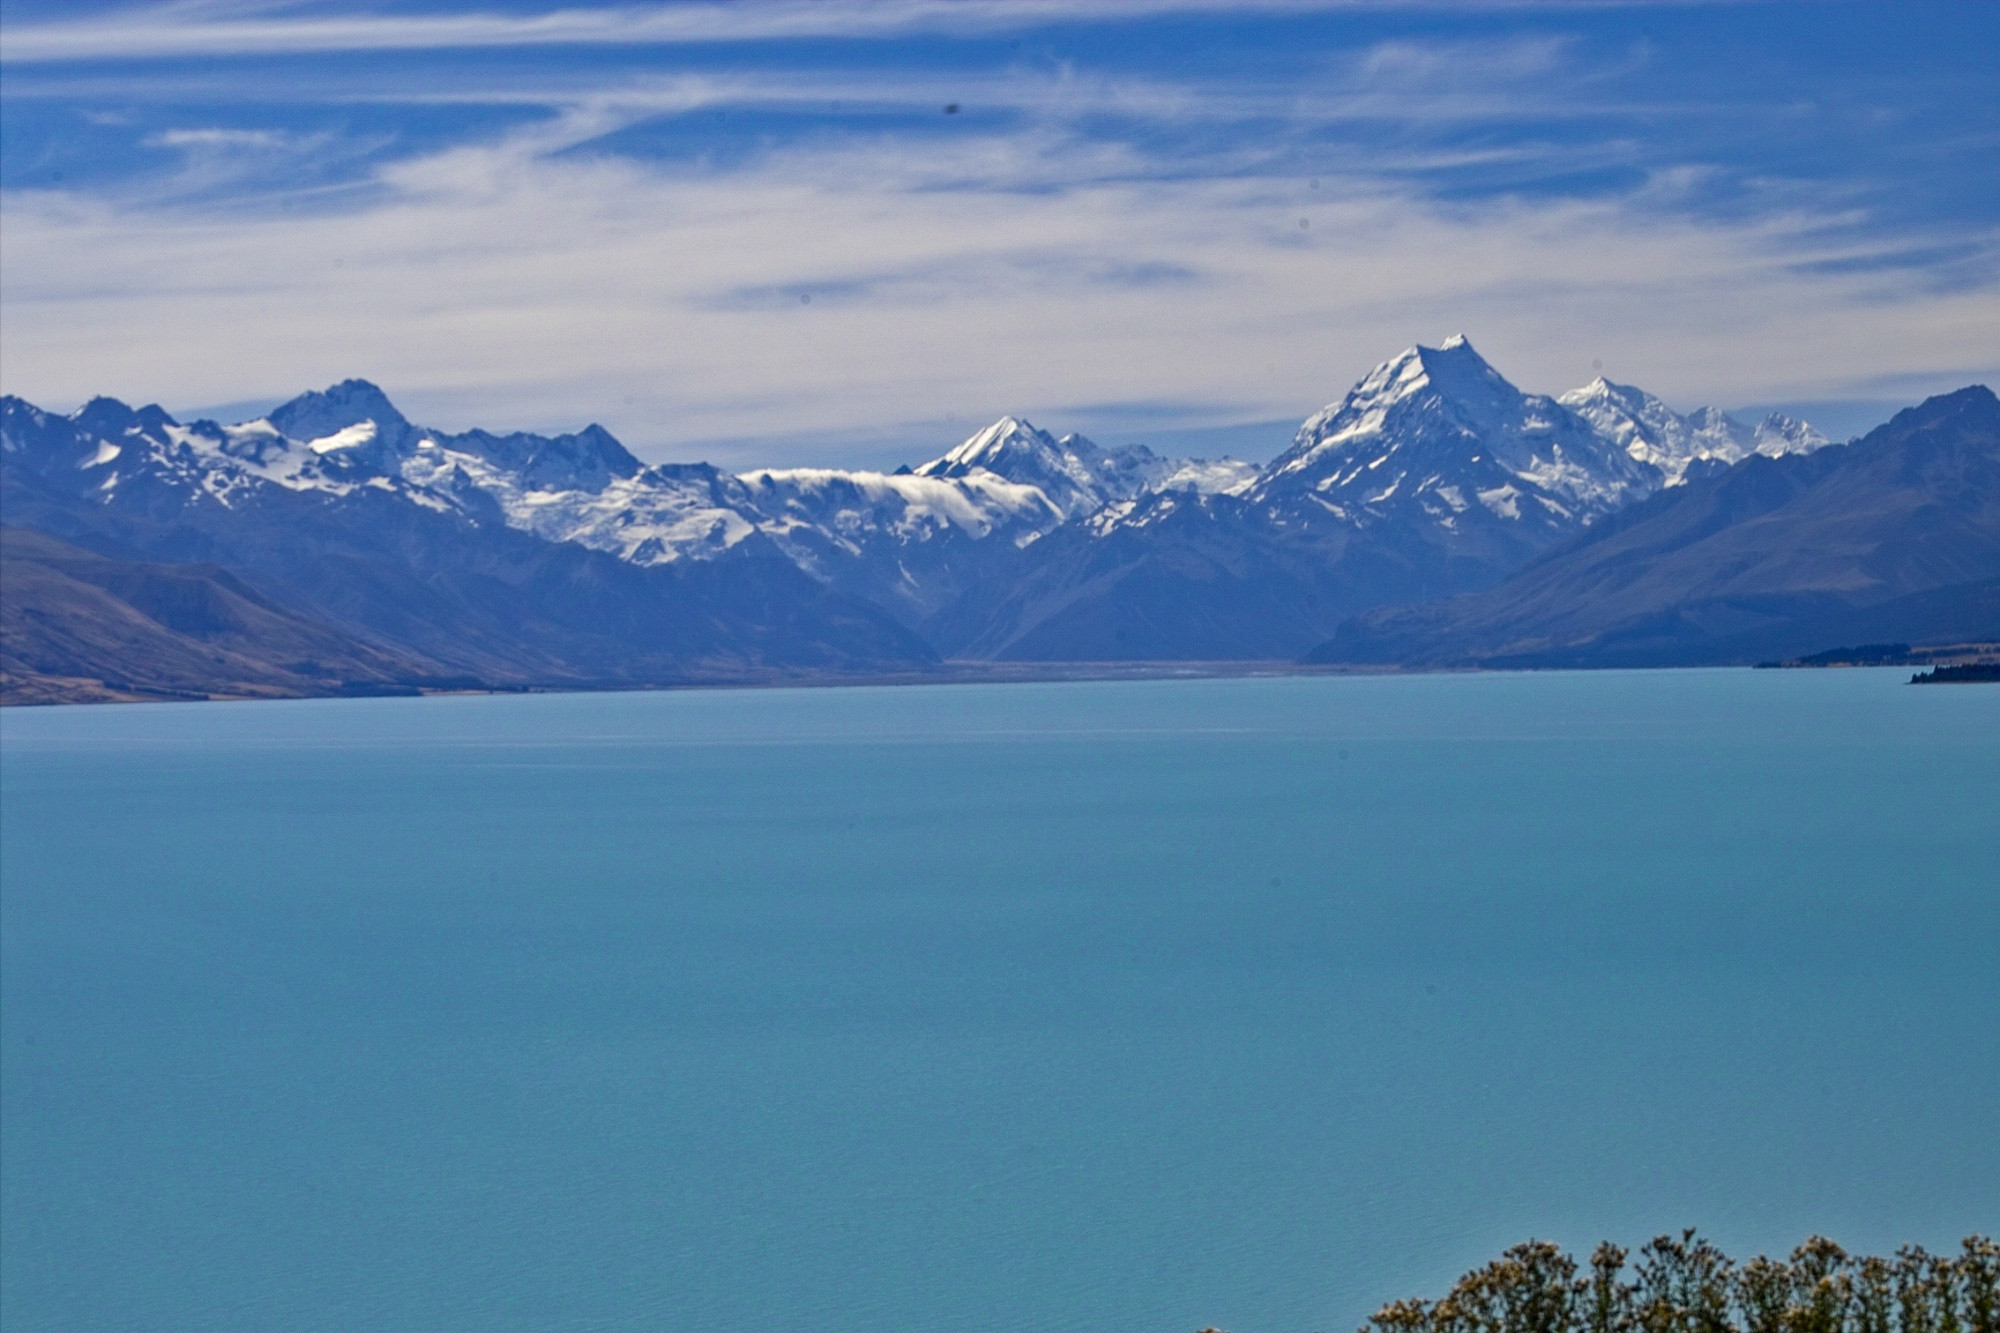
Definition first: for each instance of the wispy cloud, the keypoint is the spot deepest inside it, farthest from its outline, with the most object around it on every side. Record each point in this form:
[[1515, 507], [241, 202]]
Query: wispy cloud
[[532, 285], [728, 250], [210, 29], [217, 138]]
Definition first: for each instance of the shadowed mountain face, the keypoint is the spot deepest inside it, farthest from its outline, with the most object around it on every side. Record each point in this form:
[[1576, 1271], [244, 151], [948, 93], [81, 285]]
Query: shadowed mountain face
[[1893, 537], [76, 626]]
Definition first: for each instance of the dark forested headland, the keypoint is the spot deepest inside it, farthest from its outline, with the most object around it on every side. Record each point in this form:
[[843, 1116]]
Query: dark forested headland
[[1683, 1284]]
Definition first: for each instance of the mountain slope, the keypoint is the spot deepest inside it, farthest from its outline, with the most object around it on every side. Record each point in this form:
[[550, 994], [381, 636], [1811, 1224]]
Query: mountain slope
[[77, 626], [1701, 442], [1767, 559], [1075, 474], [1438, 433], [1175, 577], [906, 542], [917, 541], [358, 530], [522, 558], [1434, 475]]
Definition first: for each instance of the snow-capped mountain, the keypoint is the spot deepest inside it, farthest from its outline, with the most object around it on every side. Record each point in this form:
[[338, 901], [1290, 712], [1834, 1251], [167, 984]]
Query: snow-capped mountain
[[1892, 538], [1656, 435], [457, 557], [1438, 431], [1433, 436], [1075, 474], [1433, 475], [909, 541], [917, 539]]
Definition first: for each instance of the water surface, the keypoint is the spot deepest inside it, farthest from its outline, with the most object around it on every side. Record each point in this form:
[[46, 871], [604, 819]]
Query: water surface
[[1079, 1006]]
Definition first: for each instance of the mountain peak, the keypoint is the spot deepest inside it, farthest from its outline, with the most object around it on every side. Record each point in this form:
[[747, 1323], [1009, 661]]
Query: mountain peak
[[1008, 438], [1456, 356], [1654, 434], [1074, 474], [1975, 403], [109, 417], [1455, 427], [316, 415], [1007, 430], [1601, 388], [1453, 370]]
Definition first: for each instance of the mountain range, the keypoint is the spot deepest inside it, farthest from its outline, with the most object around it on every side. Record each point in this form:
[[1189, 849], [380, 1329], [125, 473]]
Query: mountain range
[[1893, 538], [339, 547]]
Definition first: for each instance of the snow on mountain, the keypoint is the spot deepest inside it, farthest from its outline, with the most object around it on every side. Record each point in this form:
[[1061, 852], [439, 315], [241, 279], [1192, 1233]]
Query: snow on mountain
[[916, 539], [147, 447], [1210, 476], [583, 488], [1656, 435], [1439, 432], [907, 541], [318, 416], [1075, 474], [855, 507], [652, 516], [466, 555], [1433, 476], [1433, 470]]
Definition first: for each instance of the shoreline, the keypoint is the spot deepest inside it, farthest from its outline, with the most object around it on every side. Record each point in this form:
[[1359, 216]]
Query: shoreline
[[55, 692], [78, 691]]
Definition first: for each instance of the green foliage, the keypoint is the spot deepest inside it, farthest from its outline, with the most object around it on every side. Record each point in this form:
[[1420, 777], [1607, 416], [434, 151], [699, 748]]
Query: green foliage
[[1683, 1284]]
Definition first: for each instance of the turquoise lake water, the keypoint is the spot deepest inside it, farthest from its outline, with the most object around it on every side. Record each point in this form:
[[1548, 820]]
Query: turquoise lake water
[[1081, 1006]]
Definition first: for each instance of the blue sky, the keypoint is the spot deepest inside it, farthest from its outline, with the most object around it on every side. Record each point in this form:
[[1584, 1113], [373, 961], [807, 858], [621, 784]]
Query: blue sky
[[753, 232]]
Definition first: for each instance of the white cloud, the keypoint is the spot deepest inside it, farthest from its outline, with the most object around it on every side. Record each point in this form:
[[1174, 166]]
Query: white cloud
[[261, 27], [1427, 64], [499, 284], [846, 283], [180, 30], [217, 139]]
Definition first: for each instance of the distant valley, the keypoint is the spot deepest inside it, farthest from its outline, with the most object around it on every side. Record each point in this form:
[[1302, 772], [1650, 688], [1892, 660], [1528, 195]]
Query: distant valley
[[1435, 515]]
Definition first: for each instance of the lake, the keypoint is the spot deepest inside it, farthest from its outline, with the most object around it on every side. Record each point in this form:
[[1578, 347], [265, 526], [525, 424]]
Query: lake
[[1080, 1006]]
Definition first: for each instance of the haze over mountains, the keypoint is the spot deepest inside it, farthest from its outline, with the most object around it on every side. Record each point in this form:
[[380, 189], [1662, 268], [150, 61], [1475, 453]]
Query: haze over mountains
[[425, 557]]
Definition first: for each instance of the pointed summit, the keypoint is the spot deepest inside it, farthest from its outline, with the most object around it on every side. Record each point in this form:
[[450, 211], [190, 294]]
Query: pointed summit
[[317, 415], [1008, 440], [1452, 370], [1440, 420], [587, 461], [1074, 473], [109, 418], [1779, 434], [1459, 372], [1654, 434]]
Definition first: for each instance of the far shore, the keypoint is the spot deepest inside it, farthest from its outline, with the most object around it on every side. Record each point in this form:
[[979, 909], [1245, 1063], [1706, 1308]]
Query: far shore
[[47, 691]]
